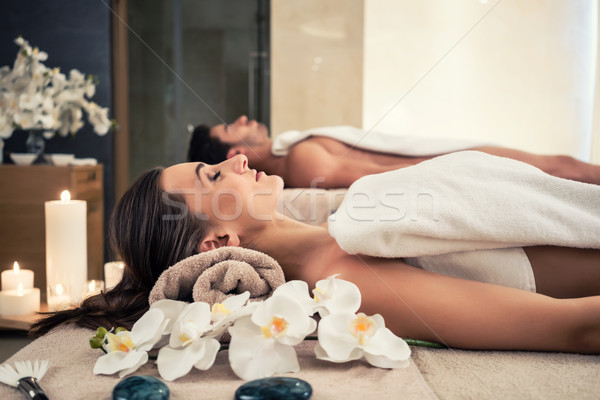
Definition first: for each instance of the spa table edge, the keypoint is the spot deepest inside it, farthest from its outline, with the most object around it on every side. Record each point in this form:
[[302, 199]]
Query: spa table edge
[[21, 322]]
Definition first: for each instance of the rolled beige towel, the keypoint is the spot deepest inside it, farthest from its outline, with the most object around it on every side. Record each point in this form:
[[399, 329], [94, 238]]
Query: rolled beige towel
[[214, 275]]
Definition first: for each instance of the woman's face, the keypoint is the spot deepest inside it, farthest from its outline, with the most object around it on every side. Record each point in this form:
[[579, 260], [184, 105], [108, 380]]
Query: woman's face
[[228, 191]]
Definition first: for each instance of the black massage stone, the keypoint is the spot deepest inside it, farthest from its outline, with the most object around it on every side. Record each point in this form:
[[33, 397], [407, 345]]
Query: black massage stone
[[276, 388], [141, 387]]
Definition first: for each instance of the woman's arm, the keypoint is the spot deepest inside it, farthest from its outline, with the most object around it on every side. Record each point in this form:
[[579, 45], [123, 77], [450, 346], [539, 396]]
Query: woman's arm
[[460, 313]]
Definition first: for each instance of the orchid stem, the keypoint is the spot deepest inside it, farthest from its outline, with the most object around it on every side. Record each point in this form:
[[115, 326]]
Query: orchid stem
[[425, 343], [410, 342]]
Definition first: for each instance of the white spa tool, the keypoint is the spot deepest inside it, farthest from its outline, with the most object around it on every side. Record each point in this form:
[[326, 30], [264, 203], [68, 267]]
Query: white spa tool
[[25, 377]]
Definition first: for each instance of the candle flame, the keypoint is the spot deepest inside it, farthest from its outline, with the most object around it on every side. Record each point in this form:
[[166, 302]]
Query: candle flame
[[59, 289], [92, 285], [65, 196], [16, 267], [121, 265], [20, 290]]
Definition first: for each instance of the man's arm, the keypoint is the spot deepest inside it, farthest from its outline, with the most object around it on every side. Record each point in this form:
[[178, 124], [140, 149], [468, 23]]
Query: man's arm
[[558, 165], [310, 165]]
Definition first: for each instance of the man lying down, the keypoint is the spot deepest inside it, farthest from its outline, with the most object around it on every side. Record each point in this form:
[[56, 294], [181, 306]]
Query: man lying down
[[334, 157]]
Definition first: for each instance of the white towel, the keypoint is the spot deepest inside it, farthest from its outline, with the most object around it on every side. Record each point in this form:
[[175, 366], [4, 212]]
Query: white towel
[[465, 201], [507, 267], [413, 146]]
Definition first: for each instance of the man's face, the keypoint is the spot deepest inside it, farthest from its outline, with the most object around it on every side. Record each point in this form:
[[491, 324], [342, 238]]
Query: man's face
[[241, 132]]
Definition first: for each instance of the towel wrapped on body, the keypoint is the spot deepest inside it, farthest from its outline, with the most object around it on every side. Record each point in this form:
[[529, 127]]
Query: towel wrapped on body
[[214, 275], [465, 201], [383, 142], [467, 214]]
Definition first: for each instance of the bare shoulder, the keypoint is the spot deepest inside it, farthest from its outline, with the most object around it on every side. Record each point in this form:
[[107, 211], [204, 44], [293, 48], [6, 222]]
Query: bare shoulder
[[330, 259], [307, 164]]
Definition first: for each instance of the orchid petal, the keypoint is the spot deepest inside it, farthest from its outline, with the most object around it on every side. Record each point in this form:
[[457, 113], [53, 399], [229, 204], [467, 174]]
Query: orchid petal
[[297, 290], [336, 295], [298, 323], [221, 326], [211, 348], [252, 356], [193, 322], [171, 309], [116, 361], [386, 350], [175, 363], [237, 301], [148, 329], [321, 354], [334, 336], [384, 362]]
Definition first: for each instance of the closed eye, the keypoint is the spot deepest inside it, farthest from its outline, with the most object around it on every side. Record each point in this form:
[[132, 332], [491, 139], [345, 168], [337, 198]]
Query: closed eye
[[216, 176]]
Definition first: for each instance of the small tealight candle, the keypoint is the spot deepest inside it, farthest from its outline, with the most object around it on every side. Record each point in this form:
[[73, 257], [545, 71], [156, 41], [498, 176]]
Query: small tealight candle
[[19, 301], [58, 298], [12, 278], [93, 287], [113, 272]]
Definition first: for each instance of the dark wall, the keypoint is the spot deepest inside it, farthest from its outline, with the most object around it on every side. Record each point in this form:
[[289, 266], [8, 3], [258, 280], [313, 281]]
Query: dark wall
[[75, 34]]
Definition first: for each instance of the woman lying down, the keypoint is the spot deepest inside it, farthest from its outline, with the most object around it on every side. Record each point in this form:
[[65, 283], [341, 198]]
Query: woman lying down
[[530, 238]]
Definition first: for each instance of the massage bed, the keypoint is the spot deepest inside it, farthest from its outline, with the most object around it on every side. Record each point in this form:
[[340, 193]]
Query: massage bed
[[432, 373]]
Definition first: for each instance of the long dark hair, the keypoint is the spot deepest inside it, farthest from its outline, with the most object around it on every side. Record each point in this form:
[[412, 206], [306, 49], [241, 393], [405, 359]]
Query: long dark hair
[[150, 230], [206, 149]]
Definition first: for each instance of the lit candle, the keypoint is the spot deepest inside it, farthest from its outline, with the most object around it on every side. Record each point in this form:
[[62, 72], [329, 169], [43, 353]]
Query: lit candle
[[12, 278], [113, 272], [66, 246], [58, 297], [93, 287], [19, 301]]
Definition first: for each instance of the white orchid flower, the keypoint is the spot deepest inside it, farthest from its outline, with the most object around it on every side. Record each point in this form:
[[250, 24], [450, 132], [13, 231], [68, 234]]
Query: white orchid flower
[[224, 314], [195, 332], [30, 101], [347, 336], [68, 120], [39, 97], [24, 119], [188, 346], [171, 310], [127, 351], [98, 117], [261, 344], [76, 77], [5, 126], [330, 295]]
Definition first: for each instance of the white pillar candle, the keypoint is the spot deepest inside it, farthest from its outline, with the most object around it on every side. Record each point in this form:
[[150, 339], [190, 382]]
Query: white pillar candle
[[19, 301], [12, 278], [113, 272], [66, 245]]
